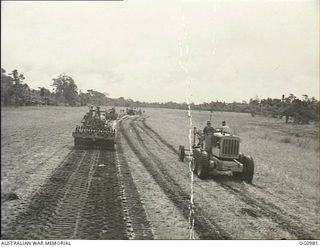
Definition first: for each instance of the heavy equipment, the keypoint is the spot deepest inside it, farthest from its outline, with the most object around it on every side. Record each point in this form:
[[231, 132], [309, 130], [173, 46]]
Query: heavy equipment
[[131, 111], [96, 131], [111, 114], [218, 152]]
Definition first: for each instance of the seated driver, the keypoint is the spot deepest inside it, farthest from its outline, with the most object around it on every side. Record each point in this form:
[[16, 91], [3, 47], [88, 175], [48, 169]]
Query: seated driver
[[88, 116], [225, 128]]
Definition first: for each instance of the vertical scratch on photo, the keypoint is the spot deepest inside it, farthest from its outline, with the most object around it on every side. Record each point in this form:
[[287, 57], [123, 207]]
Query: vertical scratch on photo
[[184, 55]]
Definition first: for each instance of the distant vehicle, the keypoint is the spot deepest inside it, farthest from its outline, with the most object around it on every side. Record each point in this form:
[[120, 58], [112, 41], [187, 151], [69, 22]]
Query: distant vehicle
[[131, 111], [96, 131], [220, 152], [111, 114]]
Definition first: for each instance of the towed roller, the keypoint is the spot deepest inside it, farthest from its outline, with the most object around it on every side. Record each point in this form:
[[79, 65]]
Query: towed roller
[[97, 130], [94, 138]]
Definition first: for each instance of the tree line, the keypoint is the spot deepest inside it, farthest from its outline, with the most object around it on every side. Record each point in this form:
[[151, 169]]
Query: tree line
[[14, 92], [300, 111]]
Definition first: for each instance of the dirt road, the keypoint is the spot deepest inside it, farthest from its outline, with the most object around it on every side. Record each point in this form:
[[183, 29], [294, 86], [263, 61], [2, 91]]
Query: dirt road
[[142, 191]]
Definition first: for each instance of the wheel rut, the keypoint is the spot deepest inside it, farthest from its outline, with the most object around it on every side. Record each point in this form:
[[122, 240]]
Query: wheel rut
[[66, 218], [139, 225], [102, 213]]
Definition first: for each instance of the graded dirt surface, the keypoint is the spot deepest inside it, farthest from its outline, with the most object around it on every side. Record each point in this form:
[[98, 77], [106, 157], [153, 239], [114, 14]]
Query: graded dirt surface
[[141, 191]]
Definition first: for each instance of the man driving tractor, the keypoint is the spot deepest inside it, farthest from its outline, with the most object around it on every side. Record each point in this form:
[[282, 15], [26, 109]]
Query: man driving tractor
[[225, 128], [87, 119]]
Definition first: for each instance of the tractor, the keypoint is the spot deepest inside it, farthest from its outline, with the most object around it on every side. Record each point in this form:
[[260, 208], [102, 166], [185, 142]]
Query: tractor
[[219, 152], [96, 132]]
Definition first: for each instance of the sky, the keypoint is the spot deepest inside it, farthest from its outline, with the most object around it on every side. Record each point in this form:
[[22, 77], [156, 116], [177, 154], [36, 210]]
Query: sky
[[167, 50]]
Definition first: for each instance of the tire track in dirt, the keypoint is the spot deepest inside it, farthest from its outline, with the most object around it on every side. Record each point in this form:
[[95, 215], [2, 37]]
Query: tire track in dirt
[[102, 214], [204, 228], [141, 226], [93, 208], [36, 219], [67, 213], [164, 218], [12, 208], [266, 208], [81, 200]]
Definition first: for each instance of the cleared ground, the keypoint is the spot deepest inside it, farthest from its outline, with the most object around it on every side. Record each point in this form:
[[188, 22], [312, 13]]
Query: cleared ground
[[142, 191]]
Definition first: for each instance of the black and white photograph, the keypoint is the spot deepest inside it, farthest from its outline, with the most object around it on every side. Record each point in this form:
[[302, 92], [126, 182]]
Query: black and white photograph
[[160, 120]]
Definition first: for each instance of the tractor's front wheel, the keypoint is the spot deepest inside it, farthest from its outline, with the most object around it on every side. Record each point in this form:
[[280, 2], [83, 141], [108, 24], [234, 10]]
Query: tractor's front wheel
[[203, 166]]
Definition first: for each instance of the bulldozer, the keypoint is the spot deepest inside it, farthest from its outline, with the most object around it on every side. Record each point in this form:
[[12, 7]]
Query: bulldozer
[[218, 152], [96, 131]]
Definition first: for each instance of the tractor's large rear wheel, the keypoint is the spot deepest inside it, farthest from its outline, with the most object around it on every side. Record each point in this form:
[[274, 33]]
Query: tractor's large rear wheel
[[248, 169], [196, 159], [181, 153], [203, 166], [237, 175], [193, 165]]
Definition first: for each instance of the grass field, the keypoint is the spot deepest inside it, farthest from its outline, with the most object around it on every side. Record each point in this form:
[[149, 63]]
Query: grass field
[[29, 136], [34, 140], [285, 155]]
